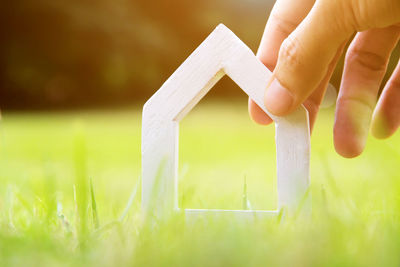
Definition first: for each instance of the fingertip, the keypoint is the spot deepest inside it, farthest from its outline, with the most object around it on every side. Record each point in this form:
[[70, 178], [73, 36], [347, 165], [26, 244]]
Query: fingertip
[[380, 127], [386, 118], [351, 129], [257, 114], [347, 146]]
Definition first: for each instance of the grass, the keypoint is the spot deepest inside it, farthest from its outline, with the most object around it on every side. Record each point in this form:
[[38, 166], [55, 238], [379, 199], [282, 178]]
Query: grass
[[70, 195]]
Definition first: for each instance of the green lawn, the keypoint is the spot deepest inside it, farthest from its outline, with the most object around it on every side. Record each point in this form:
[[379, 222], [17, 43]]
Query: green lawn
[[44, 156]]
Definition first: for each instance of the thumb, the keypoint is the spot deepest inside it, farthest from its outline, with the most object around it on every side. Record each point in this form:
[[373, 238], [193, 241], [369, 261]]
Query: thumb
[[304, 57]]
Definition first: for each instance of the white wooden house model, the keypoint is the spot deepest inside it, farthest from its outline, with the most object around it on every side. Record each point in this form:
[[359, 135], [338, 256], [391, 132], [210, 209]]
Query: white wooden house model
[[222, 53]]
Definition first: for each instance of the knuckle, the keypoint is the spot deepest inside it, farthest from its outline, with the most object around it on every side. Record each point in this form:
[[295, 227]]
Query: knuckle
[[361, 100], [373, 13], [290, 51], [356, 13], [361, 15], [282, 24], [367, 60]]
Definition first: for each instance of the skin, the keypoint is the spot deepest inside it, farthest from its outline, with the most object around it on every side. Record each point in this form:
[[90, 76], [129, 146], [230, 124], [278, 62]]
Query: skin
[[301, 44]]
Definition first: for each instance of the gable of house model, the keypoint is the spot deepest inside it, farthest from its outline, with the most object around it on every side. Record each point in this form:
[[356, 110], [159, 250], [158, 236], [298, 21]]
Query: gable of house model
[[221, 53]]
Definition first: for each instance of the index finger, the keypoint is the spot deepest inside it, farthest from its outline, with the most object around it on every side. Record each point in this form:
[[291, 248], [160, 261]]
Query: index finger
[[284, 18]]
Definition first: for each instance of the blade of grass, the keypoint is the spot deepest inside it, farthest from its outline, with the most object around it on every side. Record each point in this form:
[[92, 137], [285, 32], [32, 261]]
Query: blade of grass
[[95, 215], [64, 221], [81, 185], [244, 196], [246, 205], [10, 204], [131, 199], [49, 193]]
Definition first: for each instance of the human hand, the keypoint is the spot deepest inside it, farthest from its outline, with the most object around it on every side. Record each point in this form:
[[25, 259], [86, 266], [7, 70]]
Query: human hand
[[302, 43]]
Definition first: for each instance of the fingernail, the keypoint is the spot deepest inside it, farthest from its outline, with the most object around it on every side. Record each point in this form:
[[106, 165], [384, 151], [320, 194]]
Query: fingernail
[[277, 99]]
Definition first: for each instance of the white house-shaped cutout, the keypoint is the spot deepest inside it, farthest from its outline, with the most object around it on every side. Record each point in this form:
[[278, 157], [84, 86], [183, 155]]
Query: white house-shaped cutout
[[221, 53]]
